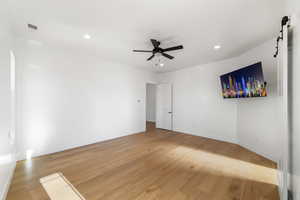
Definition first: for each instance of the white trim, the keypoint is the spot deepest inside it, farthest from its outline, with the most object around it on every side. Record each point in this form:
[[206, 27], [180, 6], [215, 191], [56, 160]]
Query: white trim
[[285, 112], [151, 83], [6, 187], [21, 155], [12, 132], [280, 179], [150, 121], [283, 92], [213, 137]]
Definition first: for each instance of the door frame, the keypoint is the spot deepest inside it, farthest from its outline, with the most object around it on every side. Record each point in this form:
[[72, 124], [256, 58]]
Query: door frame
[[172, 101], [152, 83]]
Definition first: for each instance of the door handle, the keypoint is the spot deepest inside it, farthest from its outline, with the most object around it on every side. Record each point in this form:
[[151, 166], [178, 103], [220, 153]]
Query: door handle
[[170, 112]]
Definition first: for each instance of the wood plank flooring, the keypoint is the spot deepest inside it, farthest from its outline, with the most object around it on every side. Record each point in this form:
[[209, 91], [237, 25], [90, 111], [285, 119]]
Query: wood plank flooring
[[155, 165]]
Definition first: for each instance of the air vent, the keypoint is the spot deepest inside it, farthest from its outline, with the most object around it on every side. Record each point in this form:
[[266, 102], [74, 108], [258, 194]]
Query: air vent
[[31, 26]]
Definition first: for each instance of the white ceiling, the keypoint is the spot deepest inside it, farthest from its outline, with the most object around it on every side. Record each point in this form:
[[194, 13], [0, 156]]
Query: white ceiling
[[119, 26]]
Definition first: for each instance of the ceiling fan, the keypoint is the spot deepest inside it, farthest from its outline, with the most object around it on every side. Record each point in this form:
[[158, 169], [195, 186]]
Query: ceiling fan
[[157, 49]]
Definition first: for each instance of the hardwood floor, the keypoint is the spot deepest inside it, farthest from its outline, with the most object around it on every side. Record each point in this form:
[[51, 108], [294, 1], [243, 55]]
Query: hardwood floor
[[150, 126], [154, 165]]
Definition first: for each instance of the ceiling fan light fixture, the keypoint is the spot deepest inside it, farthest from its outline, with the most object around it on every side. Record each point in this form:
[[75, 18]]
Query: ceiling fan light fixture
[[87, 36], [158, 51], [32, 27], [217, 47]]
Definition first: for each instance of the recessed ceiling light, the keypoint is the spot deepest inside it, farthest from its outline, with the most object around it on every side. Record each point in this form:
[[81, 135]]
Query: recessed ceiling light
[[87, 36], [217, 47], [161, 64]]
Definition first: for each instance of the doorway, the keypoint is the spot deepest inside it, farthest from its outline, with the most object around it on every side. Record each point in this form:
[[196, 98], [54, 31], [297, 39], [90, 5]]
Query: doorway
[[159, 106], [150, 107]]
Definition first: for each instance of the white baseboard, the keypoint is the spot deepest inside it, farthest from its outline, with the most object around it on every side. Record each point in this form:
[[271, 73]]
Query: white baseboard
[[22, 156], [214, 137], [6, 187], [151, 121]]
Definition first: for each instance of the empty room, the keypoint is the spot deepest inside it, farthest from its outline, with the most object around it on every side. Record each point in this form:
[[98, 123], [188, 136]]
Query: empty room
[[149, 100]]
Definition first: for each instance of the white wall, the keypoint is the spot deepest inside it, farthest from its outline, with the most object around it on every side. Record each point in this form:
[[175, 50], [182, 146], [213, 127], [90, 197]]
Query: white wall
[[200, 109], [68, 99], [293, 9], [7, 147], [151, 102], [258, 119]]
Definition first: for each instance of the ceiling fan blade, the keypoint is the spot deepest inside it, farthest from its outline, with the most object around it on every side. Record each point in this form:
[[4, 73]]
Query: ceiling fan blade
[[146, 51], [167, 55], [151, 57], [155, 43], [173, 48]]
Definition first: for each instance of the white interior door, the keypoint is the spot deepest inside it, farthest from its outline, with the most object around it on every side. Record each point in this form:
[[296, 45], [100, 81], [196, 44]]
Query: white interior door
[[164, 111]]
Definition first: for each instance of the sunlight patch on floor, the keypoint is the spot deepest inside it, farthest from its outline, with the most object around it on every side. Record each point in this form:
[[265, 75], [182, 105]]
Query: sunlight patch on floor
[[59, 188], [224, 166]]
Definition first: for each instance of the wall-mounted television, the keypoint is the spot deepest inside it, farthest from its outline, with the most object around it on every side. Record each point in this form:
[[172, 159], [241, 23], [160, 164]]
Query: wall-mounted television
[[244, 83]]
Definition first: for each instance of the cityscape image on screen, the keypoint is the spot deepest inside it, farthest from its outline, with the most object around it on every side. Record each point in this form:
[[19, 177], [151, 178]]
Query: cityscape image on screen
[[245, 82]]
